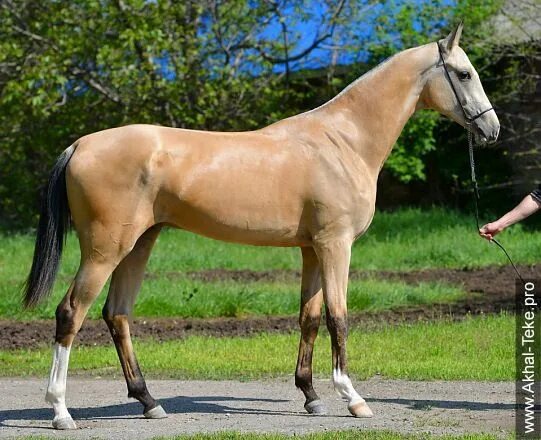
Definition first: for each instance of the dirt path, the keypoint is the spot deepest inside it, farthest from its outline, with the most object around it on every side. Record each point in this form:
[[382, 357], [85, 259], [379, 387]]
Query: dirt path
[[102, 410], [491, 291]]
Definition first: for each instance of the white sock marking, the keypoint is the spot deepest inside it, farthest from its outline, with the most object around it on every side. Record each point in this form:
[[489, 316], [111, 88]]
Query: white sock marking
[[343, 386], [56, 390]]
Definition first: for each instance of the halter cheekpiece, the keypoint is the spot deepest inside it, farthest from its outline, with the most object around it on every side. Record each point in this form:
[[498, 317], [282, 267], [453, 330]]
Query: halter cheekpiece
[[467, 118]]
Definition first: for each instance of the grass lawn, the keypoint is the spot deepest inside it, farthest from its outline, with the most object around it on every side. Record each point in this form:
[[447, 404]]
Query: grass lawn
[[186, 297], [474, 349], [404, 240]]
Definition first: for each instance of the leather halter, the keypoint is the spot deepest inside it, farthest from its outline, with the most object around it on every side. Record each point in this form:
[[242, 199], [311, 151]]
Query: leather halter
[[467, 118], [475, 187]]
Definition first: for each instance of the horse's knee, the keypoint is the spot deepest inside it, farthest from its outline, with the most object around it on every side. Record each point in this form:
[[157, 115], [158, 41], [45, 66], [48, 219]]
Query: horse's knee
[[309, 324], [107, 314], [118, 323], [337, 324]]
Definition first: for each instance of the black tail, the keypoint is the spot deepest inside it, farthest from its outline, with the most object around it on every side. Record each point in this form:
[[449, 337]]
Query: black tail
[[54, 222]]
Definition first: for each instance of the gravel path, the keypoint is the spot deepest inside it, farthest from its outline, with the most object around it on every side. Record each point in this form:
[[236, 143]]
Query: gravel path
[[102, 410]]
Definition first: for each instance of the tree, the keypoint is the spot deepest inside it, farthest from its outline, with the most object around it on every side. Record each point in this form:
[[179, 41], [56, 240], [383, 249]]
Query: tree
[[71, 68]]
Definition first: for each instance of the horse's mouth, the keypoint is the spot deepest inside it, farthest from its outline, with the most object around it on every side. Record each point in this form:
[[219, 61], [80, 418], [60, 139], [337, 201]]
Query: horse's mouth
[[484, 134], [480, 138]]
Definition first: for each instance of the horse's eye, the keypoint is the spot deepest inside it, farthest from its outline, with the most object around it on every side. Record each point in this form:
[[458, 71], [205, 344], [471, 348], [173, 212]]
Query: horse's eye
[[464, 75]]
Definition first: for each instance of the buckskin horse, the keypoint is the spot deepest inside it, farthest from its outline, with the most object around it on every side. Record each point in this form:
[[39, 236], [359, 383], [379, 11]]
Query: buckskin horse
[[307, 181]]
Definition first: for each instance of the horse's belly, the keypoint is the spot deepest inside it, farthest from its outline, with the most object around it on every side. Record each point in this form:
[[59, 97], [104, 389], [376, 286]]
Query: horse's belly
[[243, 189], [258, 210], [257, 225]]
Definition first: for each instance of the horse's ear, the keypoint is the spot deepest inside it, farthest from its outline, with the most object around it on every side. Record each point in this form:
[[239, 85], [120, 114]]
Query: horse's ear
[[451, 41]]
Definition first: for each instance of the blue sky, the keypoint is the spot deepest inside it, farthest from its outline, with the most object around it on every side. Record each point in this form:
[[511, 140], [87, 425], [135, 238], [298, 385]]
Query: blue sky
[[358, 34], [350, 40]]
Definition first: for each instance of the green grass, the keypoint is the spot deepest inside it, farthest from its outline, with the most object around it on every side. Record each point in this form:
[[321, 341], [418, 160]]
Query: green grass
[[473, 349], [404, 240], [186, 297]]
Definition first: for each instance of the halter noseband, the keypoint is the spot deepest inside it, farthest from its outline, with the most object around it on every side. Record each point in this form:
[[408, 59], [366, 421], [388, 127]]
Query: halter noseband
[[467, 118]]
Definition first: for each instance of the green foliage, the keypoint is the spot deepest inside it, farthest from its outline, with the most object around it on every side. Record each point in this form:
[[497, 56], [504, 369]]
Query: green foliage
[[177, 295], [414, 24], [72, 68], [417, 140]]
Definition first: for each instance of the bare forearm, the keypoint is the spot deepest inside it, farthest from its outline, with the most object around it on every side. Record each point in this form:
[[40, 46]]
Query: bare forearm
[[530, 204], [524, 209]]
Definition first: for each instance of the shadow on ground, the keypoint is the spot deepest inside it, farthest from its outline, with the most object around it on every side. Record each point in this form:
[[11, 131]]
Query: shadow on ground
[[172, 405], [426, 404], [216, 405]]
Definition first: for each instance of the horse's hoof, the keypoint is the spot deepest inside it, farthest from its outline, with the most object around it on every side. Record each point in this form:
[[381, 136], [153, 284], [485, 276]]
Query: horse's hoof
[[156, 413], [64, 423], [360, 409], [316, 407]]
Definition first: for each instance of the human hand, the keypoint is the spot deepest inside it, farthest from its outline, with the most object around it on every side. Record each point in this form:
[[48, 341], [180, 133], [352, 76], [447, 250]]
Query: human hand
[[489, 230]]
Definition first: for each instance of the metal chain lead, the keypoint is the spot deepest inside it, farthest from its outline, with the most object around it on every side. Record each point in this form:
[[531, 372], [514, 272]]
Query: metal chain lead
[[468, 120], [476, 198]]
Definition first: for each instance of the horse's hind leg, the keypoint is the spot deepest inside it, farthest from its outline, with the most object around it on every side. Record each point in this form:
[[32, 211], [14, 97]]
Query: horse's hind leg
[[69, 317], [103, 246], [310, 314], [125, 285]]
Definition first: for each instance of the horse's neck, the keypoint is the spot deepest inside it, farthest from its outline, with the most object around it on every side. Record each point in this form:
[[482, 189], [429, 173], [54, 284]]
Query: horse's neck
[[373, 111]]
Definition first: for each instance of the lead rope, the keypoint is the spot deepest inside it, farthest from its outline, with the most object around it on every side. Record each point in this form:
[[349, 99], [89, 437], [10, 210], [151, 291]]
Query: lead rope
[[468, 121], [476, 199]]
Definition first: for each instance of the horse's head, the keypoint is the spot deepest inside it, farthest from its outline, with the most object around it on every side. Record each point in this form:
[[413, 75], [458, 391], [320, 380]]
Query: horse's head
[[454, 89]]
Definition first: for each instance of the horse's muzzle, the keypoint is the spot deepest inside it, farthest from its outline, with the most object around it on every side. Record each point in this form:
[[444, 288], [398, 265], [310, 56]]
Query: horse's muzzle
[[487, 128]]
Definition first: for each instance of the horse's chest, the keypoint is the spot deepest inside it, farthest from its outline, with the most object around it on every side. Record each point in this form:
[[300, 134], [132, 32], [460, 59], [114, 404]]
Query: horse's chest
[[348, 210]]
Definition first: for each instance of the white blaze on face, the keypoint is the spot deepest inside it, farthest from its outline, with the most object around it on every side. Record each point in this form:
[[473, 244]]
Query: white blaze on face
[[344, 387], [56, 390]]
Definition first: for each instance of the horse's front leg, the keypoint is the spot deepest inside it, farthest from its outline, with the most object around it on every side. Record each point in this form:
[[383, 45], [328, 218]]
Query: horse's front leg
[[334, 257], [309, 317]]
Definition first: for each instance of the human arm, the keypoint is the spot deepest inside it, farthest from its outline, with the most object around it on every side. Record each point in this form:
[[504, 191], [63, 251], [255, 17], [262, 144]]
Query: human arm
[[529, 205]]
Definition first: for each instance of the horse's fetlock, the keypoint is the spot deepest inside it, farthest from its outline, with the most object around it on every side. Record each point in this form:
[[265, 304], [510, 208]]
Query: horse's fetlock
[[303, 375], [303, 378], [55, 394], [137, 389]]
